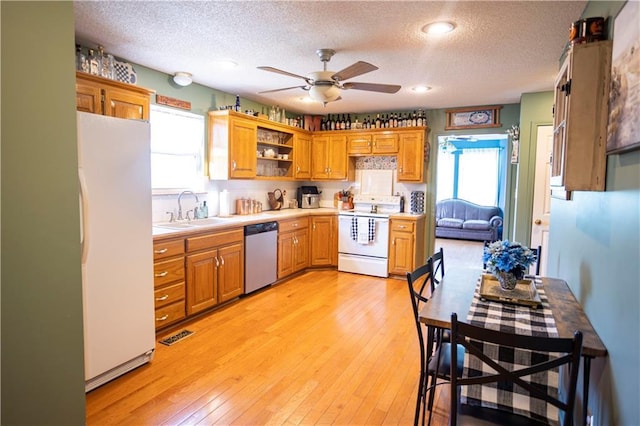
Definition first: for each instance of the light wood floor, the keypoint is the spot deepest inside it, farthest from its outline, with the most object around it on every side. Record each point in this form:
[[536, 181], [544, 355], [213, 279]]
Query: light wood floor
[[324, 348]]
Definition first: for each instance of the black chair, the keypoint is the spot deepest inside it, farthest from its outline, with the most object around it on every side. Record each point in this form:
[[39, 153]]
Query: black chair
[[472, 338], [438, 268], [538, 252], [434, 354]]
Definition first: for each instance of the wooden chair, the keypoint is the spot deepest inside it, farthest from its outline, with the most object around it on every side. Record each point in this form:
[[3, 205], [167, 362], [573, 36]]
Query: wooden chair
[[434, 354], [472, 337]]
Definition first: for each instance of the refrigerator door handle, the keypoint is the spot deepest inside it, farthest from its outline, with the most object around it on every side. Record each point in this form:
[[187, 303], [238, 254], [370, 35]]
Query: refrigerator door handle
[[84, 217]]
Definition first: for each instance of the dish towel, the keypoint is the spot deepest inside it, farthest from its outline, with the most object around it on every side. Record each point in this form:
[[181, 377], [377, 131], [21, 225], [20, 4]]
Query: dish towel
[[372, 229], [354, 228], [363, 230]]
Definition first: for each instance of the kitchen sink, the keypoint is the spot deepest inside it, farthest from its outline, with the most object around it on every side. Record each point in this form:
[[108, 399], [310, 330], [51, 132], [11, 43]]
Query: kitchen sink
[[191, 224]]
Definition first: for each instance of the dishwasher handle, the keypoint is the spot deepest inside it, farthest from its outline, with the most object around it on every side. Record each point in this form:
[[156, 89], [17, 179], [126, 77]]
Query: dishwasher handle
[[259, 228]]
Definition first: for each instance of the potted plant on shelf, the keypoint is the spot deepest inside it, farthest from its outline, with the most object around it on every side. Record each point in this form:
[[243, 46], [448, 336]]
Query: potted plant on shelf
[[508, 261]]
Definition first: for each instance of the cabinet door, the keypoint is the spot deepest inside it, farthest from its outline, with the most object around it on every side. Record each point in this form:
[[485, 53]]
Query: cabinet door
[[385, 143], [242, 149], [302, 156], [411, 157], [301, 250], [230, 272], [88, 97], [123, 104], [401, 252], [285, 254], [338, 157], [359, 144], [323, 245], [319, 157], [202, 292]]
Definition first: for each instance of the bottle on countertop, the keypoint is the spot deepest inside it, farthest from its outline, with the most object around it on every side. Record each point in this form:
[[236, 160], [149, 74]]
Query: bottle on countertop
[[204, 210], [237, 106], [94, 63], [402, 204]]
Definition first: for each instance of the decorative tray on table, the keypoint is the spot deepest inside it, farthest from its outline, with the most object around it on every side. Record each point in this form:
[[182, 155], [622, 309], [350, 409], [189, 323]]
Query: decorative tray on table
[[525, 292]]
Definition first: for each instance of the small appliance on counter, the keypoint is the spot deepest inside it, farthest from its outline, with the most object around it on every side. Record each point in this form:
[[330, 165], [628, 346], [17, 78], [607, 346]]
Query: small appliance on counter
[[308, 197]]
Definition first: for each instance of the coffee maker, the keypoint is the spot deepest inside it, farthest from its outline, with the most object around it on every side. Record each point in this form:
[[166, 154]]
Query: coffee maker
[[308, 197]]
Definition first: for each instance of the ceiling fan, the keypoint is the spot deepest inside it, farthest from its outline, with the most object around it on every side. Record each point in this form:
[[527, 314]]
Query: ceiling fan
[[325, 86]]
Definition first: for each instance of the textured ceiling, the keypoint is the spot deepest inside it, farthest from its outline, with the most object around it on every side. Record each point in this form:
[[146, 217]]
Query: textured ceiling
[[499, 49]]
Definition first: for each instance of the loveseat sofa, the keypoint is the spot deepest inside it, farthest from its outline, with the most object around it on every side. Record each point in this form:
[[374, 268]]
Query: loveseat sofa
[[456, 218]]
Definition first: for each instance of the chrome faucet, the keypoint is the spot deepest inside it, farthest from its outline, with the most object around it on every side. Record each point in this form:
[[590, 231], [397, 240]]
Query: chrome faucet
[[180, 205]]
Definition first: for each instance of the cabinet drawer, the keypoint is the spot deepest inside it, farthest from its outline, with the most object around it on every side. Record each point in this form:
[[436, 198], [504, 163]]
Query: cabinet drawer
[[168, 295], [215, 240], [168, 271], [359, 144], [164, 249], [386, 143], [169, 314], [292, 225], [403, 225]]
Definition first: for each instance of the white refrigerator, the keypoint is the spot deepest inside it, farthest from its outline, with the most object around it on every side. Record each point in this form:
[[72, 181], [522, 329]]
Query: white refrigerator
[[117, 246]]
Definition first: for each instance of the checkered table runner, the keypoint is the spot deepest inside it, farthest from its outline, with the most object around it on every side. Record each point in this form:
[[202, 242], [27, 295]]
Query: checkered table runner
[[519, 320]]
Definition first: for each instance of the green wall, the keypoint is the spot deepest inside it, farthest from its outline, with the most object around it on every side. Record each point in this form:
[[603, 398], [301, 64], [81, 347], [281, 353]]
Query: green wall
[[535, 110], [595, 246], [42, 349]]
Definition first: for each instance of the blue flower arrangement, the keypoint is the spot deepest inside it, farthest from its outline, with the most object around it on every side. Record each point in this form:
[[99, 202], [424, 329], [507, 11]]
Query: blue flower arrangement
[[508, 256]]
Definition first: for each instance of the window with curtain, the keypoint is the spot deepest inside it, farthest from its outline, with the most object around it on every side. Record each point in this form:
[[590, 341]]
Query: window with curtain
[[177, 149], [472, 170]]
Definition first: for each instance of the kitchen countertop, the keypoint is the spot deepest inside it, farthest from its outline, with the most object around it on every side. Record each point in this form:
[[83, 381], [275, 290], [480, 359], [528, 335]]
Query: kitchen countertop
[[215, 223]]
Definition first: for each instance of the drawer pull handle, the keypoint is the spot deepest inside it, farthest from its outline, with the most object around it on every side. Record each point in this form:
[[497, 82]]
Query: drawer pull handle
[[163, 318], [161, 251], [162, 274], [161, 298], [401, 226]]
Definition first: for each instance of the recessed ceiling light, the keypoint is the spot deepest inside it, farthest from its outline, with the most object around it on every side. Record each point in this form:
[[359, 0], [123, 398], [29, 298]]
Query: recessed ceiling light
[[224, 64], [438, 27], [421, 89]]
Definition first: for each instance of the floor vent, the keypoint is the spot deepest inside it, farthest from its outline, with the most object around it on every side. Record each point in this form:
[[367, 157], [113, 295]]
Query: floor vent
[[176, 337]]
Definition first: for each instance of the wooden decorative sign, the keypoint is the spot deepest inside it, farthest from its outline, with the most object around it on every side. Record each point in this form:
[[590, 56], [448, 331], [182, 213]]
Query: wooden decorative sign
[[473, 118], [165, 100]]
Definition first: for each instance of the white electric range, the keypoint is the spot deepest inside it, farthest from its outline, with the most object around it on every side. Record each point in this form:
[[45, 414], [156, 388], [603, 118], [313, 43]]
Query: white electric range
[[363, 234]]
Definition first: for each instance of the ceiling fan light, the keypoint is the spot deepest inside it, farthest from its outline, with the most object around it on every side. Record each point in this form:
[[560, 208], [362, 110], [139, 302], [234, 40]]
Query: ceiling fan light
[[441, 27], [324, 93], [182, 78]]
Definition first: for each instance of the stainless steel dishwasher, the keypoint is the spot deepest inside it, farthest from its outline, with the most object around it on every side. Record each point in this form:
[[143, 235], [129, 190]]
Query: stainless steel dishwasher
[[260, 255]]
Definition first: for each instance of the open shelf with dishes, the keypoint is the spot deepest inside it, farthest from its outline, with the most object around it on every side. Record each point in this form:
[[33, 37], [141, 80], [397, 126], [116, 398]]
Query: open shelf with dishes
[[274, 153]]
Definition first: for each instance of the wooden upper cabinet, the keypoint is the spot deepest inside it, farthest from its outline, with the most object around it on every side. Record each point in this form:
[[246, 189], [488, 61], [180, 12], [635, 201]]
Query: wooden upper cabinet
[[376, 143], [385, 143], [411, 162], [359, 144], [580, 119], [329, 157], [242, 149], [302, 156], [103, 96]]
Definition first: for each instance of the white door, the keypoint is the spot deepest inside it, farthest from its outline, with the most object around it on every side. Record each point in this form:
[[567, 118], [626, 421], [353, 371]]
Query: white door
[[541, 213]]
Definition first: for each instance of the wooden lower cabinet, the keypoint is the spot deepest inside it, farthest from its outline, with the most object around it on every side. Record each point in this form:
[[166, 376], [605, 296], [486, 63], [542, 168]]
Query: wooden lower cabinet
[[406, 244], [324, 241], [214, 269], [293, 246], [169, 284]]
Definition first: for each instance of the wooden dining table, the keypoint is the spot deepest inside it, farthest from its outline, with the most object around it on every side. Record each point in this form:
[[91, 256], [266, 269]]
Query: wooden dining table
[[456, 292]]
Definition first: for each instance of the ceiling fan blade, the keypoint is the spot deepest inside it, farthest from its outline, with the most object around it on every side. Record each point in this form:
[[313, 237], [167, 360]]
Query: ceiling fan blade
[[373, 87], [277, 71], [354, 70], [285, 88]]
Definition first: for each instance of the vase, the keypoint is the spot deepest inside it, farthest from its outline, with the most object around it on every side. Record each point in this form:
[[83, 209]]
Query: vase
[[507, 280]]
